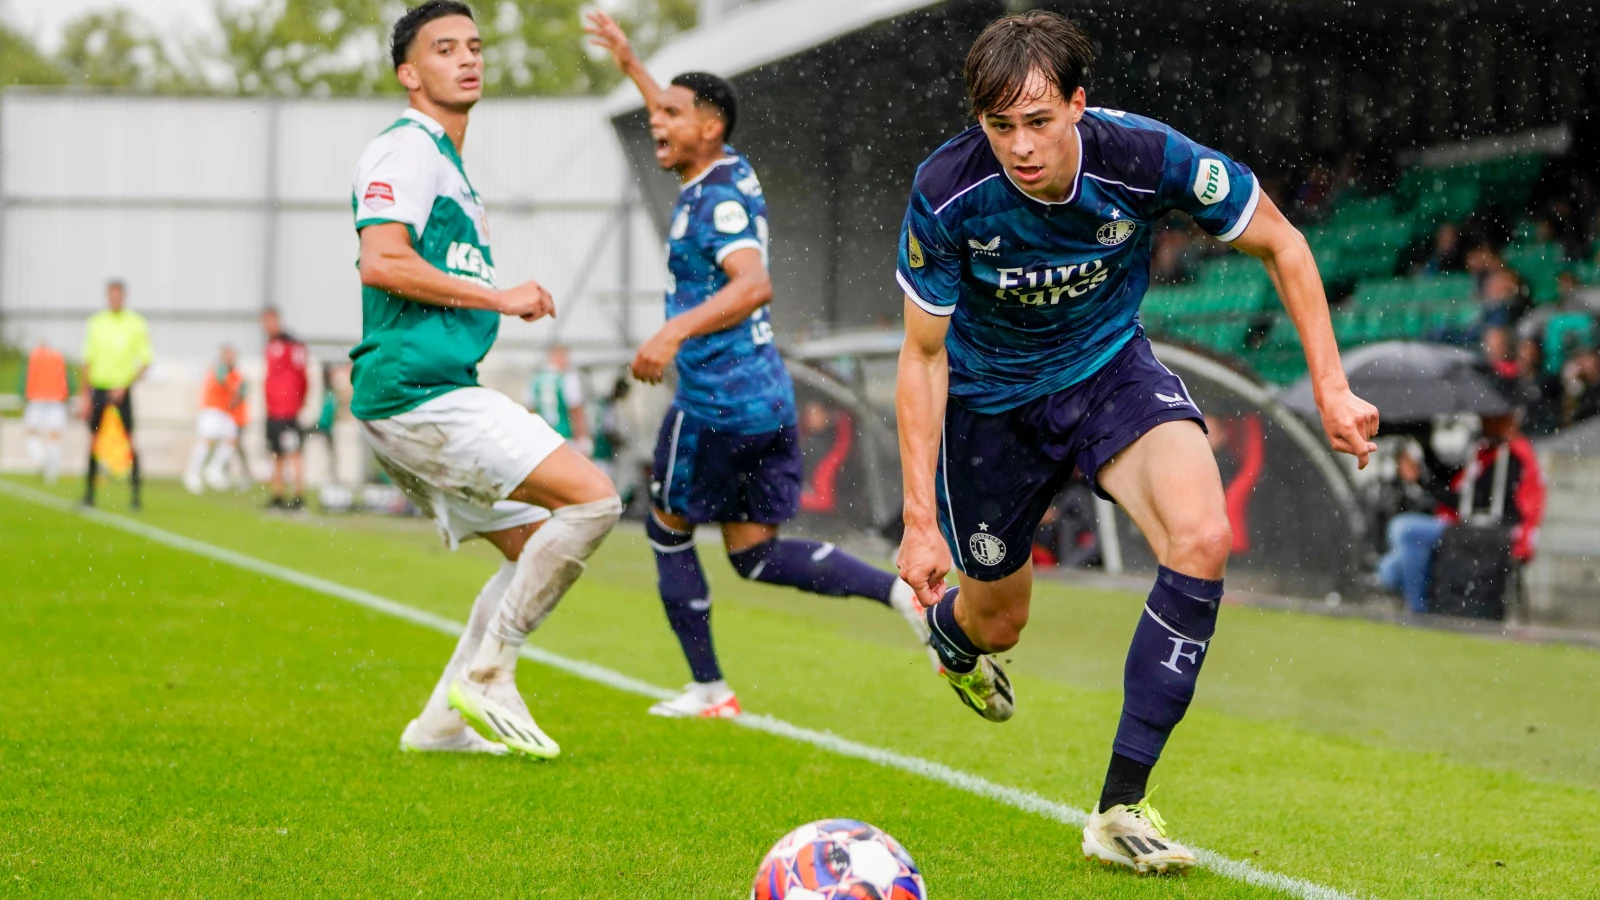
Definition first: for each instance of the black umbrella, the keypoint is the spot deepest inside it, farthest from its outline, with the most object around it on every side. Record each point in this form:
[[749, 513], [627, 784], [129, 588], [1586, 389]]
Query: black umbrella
[[1412, 382]]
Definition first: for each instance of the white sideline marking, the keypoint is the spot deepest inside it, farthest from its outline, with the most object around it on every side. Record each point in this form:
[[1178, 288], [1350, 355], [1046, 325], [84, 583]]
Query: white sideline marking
[[1016, 798]]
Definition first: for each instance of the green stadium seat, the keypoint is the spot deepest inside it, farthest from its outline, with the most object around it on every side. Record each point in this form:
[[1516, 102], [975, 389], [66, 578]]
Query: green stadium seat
[[1563, 331], [1541, 265]]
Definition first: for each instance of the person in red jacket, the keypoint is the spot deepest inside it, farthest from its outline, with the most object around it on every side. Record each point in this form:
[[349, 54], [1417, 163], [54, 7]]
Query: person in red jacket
[[1413, 536], [286, 393]]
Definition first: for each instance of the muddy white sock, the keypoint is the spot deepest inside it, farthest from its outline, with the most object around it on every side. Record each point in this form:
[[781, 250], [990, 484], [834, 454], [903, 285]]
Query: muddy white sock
[[438, 719]]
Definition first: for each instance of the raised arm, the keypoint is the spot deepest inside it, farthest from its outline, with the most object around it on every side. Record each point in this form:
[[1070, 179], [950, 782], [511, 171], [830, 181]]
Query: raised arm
[[1349, 421], [922, 386], [605, 32], [748, 289], [390, 263]]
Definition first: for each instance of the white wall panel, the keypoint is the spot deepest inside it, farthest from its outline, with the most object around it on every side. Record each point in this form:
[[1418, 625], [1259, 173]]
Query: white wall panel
[[320, 141], [316, 285], [178, 260], [88, 146]]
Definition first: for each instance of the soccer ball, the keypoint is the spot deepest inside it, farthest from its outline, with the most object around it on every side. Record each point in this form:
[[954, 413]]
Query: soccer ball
[[838, 859]]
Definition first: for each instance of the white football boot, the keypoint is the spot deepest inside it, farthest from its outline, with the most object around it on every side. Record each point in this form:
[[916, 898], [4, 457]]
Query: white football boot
[[1134, 836], [700, 701], [986, 689], [496, 709], [412, 740], [904, 601]]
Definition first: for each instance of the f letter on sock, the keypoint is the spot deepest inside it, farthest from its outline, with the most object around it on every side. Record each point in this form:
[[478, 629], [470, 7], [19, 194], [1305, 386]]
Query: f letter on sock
[[1169, 647]]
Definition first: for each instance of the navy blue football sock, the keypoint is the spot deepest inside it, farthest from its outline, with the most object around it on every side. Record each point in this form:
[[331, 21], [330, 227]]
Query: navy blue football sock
[[686, 595], [955, 649], [814, 567], [1169, 646]]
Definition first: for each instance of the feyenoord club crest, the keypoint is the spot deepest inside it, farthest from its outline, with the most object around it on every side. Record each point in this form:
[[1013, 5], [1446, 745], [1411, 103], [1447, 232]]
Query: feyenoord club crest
[[986, 548], [1114, 232]]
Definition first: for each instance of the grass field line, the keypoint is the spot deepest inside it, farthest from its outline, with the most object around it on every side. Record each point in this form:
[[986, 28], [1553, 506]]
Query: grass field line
[[1016, 798]]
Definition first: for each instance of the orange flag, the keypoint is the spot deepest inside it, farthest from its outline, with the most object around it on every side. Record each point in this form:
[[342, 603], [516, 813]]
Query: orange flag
[[111, 445]]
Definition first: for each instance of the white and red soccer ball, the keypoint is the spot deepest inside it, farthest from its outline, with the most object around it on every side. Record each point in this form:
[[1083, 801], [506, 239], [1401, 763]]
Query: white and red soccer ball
[[838, 859]]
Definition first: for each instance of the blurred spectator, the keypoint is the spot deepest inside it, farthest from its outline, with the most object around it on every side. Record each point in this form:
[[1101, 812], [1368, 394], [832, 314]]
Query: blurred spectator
[[217, 427], [1443, 253], [333, 376], [286, 387], [556, 395], [1500, 352], [1314, 196], [1503, 297], [1539, 390], [46, 384], [1173, 255], [827, 437], [1067, 535], [1580, 378], [116, 353], [1470, 494], [609, 435]]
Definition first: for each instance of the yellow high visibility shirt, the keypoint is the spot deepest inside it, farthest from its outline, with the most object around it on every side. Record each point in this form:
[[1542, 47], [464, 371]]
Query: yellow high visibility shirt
[[115, 347]]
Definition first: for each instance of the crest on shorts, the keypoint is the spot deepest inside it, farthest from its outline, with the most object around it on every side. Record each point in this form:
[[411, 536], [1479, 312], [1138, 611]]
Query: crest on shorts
[[987, 549]]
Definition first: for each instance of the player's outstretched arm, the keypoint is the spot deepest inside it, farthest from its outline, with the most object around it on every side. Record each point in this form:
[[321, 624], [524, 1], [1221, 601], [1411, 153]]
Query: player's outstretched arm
[[748, 289], [1350, 421], [922, 385], [605, 32], [390, 263]]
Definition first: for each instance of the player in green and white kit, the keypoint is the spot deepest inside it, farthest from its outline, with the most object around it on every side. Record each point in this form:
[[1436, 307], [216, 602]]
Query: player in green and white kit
[[478, 463]]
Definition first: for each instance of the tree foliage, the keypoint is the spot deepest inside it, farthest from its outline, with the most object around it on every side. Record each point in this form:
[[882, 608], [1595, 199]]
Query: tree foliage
[[331, 48], [116, 48], [22, 63]]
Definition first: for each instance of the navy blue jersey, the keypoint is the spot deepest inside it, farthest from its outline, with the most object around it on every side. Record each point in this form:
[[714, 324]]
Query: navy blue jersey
[[1041, 295], [733, 379]]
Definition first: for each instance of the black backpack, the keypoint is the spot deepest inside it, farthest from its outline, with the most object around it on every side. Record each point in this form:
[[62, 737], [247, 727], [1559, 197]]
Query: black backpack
[[1472, 562]]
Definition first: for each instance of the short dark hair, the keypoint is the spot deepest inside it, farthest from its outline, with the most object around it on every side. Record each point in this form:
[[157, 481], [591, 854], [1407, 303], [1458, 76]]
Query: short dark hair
[[405, 30], [118, 284], [1011, 47], [716, 92]]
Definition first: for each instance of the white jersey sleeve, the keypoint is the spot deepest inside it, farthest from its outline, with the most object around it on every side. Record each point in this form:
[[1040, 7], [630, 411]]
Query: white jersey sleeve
[[397, 179]]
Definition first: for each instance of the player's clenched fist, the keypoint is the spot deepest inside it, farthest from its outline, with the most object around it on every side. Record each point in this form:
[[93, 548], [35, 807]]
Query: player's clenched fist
[[528, 301], [1351, 423], [924, 560], [650, 363]]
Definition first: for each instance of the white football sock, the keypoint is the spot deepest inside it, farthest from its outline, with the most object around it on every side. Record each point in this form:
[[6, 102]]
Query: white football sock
[[438, 719], [197, 460], [52, 460], [35, 450], [550, 562]]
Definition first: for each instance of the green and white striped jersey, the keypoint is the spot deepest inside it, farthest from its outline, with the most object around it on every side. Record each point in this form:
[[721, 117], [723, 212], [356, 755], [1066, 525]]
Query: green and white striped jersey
[[412, 352]]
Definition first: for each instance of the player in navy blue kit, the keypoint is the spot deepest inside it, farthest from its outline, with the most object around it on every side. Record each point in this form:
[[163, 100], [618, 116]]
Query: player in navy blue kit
[[1024, 257], [729, 451]]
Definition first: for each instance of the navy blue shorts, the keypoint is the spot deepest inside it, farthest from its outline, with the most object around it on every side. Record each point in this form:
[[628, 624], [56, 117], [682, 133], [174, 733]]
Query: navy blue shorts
[[707, 475], [998, 473]]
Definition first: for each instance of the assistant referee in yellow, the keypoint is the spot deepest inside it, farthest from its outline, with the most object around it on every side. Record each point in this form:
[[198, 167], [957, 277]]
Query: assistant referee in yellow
[[116, 351]]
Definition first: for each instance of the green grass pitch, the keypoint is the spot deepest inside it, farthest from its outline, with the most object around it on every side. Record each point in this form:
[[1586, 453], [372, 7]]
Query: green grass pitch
[[172, 725]]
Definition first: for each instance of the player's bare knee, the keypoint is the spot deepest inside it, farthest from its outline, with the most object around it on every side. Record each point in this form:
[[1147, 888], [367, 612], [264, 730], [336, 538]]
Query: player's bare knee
[[999, 633], [1202, 549]]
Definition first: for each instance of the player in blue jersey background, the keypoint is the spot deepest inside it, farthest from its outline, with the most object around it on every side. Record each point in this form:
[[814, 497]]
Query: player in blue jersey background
[[1024, 256], [729, 449]]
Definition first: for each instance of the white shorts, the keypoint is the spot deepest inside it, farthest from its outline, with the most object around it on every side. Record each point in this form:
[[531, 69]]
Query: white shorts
[[215, 425], [45, 415], [458, 457]]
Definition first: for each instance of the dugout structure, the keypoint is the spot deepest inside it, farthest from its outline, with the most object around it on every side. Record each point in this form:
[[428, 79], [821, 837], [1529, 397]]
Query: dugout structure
[[842, 99]]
